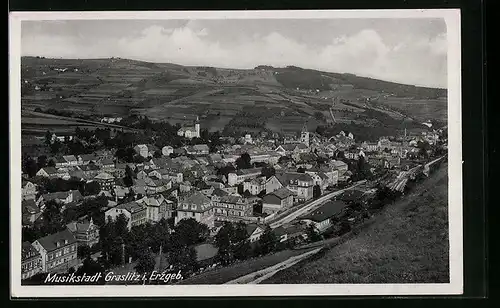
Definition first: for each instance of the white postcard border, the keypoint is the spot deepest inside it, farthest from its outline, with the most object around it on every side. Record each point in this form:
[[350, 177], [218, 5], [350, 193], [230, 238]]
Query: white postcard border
[[452, 18]]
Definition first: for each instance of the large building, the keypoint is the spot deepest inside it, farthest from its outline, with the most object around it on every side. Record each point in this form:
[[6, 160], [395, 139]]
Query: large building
[[242, 175], [58, 251], [277, 200], [31, 261], [196, 206], [301, 184], [85, 232], [135, 213], [324, 217], [191, 131], [232, 207], [304, 135]]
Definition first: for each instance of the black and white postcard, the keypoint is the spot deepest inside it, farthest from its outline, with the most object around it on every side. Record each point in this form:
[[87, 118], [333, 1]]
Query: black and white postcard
[[235, 153]]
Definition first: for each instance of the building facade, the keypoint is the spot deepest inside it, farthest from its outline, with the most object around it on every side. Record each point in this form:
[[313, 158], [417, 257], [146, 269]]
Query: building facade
[[58, 251], [31, 261]]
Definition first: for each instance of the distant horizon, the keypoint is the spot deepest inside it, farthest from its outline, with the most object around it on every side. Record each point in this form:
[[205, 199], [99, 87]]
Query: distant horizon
[[236, 68], [409, 51]]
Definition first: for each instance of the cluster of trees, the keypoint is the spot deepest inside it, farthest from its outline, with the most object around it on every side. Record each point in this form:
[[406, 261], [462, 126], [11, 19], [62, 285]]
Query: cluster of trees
[[50, 185], [143, 242], [55, 219], [233, 243]]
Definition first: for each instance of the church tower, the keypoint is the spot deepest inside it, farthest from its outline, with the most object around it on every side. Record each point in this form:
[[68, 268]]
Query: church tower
[[197, 127], [304, 135]]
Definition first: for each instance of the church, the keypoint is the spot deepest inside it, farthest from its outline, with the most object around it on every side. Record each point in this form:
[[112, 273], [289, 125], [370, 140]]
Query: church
[[190, 131]]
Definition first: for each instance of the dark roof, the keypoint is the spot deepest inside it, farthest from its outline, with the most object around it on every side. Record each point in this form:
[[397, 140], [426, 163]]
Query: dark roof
[[286, 177], [282, 193], [249, 171], [251, 228], [78, 226], [326, 211], [49, 242], [28, 251], [219, 192], [30, 207], [50, 170], [351, 195], [132, 207]]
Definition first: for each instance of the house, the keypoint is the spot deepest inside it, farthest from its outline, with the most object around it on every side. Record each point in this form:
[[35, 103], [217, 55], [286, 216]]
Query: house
[[30, 211], [167, 150], [86, 159], [242, 175], [85, 232], [159, 163], [157, 207], [64, 197], [340, 166], [190, 131], [196, 206], [324, 217], [301, 184], [71, 160], [281, 234], [155, 186], [58, 251], [292, 148], [48, 172], [233, 208], [254, 232], [197, 149], [89, 170], [60, 162], [255, 186], [31, 261], [106, 163], [279, 199], [145, 150], [135, 213], [351, 195], [105, 180], [29, 190]]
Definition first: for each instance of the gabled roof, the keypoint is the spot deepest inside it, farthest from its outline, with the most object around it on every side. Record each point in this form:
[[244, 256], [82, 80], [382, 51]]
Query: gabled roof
[[79, 226], [286, 177], [49, 242], [104, 176], [199, 200], [219, 192], [28, 251], [351, 195], [30, 207], [282, 193], [326, 211], [70, 158], [252, 227], [131, 207], [249, 171], [50, 170]]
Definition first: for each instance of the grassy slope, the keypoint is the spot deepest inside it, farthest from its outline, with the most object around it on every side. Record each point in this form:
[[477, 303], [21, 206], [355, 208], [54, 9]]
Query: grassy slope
[[408, 243]]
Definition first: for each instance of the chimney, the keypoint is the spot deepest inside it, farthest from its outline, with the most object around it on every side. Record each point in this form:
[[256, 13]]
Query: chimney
[[65, 242]]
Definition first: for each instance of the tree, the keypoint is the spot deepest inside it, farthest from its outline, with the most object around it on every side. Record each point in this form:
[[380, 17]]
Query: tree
[[157, 154], [190, 232], [244, 161], [223, 241], [90, 267], [268, 171], [52, 218], [183, 258], [267, 241], [92, 188], [83, 251], [128, 180], [42, 161], [30, 167], [312, 234], [316, 191], [51, 163], [146, 262], [48, 137]]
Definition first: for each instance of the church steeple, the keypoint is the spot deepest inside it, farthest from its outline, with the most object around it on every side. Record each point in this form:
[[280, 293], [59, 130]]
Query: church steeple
[[304, 135], [197, 127]]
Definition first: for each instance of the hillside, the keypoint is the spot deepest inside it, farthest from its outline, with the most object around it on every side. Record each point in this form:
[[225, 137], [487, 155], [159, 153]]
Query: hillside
[[407, 243], [252, 100]]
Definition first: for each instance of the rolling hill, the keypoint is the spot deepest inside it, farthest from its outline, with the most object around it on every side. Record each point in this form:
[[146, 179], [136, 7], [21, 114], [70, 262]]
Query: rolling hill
[[263, 98]]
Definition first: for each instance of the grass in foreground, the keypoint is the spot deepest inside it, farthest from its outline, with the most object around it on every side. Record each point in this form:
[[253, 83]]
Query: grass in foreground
[[407, 243], [225, 274]]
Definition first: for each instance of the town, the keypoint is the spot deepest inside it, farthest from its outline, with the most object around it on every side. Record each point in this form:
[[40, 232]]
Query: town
[[162, 197]]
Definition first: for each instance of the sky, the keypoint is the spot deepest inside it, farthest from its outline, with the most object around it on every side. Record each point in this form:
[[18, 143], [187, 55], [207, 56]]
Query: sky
[[410, 51]]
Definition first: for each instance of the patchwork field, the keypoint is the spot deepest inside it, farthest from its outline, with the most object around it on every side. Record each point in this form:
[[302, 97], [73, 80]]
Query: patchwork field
[[284, 97]]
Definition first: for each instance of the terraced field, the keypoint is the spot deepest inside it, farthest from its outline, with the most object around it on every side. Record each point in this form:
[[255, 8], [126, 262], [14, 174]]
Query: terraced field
[[169, 92]]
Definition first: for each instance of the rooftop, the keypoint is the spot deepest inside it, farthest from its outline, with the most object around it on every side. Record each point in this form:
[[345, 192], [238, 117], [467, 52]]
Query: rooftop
[[326, 211], [57, 240]]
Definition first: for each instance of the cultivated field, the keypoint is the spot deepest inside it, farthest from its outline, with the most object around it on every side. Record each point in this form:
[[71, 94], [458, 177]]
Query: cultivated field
[[287, 96]]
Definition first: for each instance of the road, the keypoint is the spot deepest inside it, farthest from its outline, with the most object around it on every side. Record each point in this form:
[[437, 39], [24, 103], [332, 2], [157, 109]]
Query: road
[[311, 206]]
